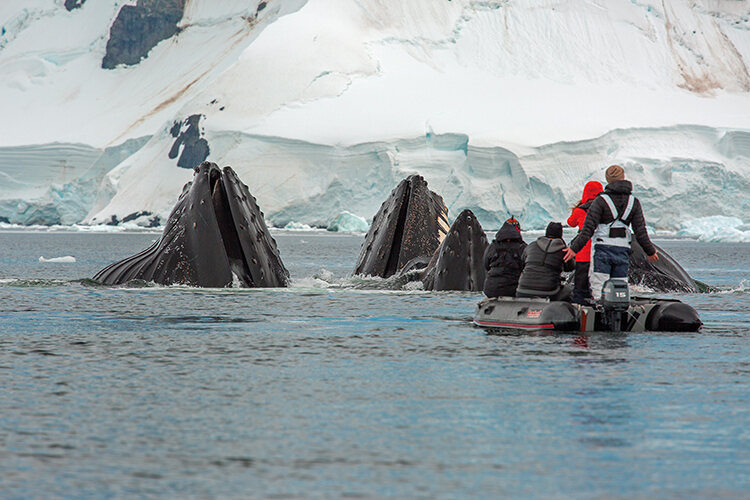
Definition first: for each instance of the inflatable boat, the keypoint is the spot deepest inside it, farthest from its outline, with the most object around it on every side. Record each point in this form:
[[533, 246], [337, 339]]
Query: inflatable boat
[[616, 311]]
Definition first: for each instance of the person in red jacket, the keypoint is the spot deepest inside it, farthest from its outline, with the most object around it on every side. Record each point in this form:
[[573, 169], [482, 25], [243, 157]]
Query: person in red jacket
[[581, 286]]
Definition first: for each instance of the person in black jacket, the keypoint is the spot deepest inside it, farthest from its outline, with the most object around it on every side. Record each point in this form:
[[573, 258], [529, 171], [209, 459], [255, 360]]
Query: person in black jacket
[[503, 260], [541, 276], [606, 225]]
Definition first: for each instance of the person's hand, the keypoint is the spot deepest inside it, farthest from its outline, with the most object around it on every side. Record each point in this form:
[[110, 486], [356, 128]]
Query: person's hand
[[569, 254], [653, 258]]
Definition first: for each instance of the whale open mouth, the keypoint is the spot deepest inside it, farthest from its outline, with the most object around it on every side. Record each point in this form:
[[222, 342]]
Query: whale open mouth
[[410, 224], [228, 229], [215, 237], [391, 265], [403, 233]]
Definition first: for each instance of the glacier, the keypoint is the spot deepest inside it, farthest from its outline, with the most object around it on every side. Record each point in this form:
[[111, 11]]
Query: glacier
[[322, 106], [56, 184], [676, 171], [717, 228]]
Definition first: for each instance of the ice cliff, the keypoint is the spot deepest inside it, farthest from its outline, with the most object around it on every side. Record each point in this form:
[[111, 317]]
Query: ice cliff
[[322, 106]]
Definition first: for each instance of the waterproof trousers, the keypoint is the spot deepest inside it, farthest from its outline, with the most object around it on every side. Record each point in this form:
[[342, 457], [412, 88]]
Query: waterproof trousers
[[581, 285], [607, 261]]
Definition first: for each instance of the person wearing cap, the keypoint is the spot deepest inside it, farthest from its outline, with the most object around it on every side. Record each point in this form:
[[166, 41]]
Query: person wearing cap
[[503, 261], [607, 225], [543, 266], [581, 286]]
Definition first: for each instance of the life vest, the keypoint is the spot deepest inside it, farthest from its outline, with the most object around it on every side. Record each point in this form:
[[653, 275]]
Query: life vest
[[616, 233]]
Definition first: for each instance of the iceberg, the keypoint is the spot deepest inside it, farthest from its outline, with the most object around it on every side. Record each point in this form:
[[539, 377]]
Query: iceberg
[[717, 228], [347, 222]]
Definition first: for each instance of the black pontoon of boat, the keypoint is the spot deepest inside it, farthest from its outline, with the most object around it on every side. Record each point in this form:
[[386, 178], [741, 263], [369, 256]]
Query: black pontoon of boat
[[616, 311]]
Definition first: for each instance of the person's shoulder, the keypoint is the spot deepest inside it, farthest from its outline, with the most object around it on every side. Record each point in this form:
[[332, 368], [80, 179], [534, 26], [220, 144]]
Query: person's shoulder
[[637, 207], [597, 203], [577, 212]]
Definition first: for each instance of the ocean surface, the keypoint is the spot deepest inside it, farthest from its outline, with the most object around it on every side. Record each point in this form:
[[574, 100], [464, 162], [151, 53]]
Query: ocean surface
[[342, 388]]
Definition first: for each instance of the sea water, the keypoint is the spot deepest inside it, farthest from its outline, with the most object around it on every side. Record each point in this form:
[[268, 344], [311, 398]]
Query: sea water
[[339, 387]]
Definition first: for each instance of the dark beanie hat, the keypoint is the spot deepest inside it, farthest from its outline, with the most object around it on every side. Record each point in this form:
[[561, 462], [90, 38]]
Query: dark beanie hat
[[554, 230]]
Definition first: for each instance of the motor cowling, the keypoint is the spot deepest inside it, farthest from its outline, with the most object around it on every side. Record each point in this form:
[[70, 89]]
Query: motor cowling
[[615, 301], [615, 295]]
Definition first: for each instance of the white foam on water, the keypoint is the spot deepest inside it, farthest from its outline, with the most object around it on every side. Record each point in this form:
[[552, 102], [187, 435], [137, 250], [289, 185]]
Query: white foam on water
[[743, 287], [414, 286], [68, 259], [297, 226], [638, 288]]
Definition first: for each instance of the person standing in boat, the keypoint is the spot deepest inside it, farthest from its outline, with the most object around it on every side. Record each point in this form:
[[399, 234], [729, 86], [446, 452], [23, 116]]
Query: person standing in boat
[[543, 266], [503, 261], [581, 286], [607, 225]]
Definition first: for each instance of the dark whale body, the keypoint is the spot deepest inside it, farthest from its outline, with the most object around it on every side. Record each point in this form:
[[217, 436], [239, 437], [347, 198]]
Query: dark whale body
[[664, 275], [216, 236], [410, 225], [458, 263], [409, 238]]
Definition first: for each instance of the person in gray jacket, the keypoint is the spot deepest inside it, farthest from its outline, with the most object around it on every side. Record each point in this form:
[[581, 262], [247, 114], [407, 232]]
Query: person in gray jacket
[[542, 272]]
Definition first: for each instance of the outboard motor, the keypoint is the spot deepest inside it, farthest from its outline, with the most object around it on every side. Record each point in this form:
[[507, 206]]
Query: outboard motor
[[615, 301]]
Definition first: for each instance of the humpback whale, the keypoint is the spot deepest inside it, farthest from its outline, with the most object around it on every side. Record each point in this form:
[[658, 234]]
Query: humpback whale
[[458, 263], [664, 275], [409, 237], [410, 225], [216, 236]]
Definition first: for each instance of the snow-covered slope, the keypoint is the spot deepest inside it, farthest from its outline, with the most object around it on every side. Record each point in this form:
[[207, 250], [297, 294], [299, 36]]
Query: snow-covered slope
[[52, 80], [323, 105]]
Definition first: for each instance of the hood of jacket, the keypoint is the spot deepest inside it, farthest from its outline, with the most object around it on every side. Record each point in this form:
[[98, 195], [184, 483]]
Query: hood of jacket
[[555, 245], [508, 232], [619, 187], [590, 190]]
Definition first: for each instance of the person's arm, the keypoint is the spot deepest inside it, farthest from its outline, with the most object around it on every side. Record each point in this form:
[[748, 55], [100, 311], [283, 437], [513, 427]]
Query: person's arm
[[487, 254], [574, 217], [638, 222], [523, 256], [593, 216], [570, 264]]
